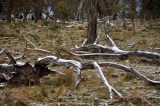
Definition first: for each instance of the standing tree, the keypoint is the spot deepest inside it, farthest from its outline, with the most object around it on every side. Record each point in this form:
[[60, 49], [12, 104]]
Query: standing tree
[[79, 12], [31, 73], [9, 10], [147, 9], [92, 22], [133, 13], [98, 8], [113, 51]]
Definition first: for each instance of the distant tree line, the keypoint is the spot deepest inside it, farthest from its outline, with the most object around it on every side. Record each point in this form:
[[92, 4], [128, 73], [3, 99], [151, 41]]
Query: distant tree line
[[74, 9]]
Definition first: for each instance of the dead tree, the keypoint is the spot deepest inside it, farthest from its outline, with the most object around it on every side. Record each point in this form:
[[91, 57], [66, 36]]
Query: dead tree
[[25, 73], [18, 72], [90, 44], [106, 51], [92, 23]]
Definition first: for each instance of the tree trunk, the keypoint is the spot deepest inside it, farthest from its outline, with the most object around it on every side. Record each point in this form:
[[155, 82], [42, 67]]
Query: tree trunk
[[79, 13], [92, 23], [25, 15], [9, 9], [133, 14], [37, 13]]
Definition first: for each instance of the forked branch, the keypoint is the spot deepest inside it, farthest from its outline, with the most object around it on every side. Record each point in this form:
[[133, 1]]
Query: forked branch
[[89, 65], [104, 80], [36, 49], [114, 51]]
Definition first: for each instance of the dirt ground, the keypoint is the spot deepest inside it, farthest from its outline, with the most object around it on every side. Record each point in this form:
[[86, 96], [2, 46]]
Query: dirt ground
[[56, 90]]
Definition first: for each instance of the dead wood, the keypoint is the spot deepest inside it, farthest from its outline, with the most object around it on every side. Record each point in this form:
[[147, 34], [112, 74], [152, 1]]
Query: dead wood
[[89, 65], [63, 62], [114, 51], [23, 73], [34, 49], [104, 80]]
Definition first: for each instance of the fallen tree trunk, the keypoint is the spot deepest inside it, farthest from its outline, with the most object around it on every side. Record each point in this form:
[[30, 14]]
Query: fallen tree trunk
[[25, 73], [114, 51]]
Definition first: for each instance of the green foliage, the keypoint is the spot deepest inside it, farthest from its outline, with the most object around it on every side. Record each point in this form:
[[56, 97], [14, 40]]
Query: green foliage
[[63, 9]]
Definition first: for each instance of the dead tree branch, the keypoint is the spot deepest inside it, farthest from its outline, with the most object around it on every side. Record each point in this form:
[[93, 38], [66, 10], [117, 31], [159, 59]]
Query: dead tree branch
[[114, 51], [62, 62], [27, 74], [89, 65], [104, 80], [36, 49]]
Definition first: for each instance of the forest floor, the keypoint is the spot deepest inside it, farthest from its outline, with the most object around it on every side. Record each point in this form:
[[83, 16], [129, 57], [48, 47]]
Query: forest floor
[[56, 90]]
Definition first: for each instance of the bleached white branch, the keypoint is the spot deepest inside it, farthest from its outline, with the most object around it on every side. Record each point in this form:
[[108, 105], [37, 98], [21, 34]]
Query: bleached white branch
[[104, 80], [63, 62], [30, 42], [122, 67], [112, 42], [36, 49]]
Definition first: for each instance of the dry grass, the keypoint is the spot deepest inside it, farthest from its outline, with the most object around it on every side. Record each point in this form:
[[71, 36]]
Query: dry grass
[[56, 89]]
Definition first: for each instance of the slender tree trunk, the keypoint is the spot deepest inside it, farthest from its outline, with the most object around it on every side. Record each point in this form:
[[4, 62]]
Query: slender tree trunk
[[9, 9], [25, 15], [37, 13], [79, 12], [133, 14], [92, 23]]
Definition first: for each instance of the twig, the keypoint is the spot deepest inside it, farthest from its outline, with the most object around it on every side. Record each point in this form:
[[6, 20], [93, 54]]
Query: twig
[[37, 49]]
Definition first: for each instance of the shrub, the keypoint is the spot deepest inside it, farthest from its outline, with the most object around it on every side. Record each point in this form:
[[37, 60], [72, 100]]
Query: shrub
[[63, 9]]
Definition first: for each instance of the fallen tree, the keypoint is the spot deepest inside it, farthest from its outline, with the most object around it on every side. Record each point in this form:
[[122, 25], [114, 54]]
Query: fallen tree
[[25, 73], [114, 51]]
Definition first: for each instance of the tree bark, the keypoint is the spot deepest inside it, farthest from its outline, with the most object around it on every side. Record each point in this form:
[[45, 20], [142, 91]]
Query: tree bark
[[79, 13], [37, 12], [92, 23], [9, 10]]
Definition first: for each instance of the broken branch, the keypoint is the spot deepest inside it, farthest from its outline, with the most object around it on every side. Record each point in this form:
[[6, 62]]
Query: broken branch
[[104, 80]]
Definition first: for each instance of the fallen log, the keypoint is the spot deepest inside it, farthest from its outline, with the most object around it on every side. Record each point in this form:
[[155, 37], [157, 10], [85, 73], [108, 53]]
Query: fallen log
[[114, 51], [25, 73]]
